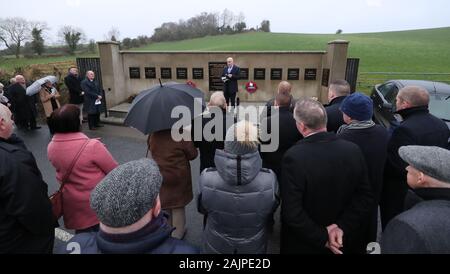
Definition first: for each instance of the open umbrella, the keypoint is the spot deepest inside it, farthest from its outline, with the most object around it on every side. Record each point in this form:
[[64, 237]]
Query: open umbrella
[[37, 85], [151, 110]]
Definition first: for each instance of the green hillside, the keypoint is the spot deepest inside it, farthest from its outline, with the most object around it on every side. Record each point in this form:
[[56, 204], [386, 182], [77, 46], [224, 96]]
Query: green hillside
[[405, 51]]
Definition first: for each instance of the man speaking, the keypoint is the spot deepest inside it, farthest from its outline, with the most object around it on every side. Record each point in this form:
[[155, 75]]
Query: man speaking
[[230, 77]]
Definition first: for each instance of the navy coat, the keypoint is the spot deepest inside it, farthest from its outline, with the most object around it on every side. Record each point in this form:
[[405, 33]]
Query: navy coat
[[91, 92]]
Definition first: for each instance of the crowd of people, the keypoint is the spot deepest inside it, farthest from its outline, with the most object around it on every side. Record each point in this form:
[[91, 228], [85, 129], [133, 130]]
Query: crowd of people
[[333, 170]]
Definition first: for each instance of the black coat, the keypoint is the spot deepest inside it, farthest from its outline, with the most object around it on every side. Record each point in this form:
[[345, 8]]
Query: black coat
[[324, 182], [231, 86], [91, 92], [288, 135], [208, 147], [26, 219], [21, 104], [334, 114], [73, 83], [373, 144], [424, 229], [419, 127]]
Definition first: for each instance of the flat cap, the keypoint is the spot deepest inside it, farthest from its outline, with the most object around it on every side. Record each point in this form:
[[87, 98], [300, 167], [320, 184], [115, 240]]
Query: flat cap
[[127, 193], [432, 161]]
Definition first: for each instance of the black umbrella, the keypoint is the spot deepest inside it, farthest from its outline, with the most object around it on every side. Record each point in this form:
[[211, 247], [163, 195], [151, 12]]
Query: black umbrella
[[151, 109]]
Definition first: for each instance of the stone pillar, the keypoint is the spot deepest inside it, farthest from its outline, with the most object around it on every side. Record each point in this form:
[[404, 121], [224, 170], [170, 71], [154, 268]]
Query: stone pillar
[[336, 61], [111, 63]]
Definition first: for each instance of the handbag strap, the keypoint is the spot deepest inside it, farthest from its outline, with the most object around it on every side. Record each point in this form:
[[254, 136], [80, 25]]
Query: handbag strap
[[72, 164]]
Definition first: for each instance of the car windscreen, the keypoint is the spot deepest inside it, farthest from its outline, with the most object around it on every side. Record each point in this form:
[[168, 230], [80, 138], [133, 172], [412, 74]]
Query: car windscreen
[[440, 106]]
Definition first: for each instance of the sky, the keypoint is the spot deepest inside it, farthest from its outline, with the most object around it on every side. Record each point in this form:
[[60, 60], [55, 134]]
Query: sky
[[140, 17]]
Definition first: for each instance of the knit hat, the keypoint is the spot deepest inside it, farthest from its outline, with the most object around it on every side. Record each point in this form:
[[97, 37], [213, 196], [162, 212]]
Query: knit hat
[[433, 161], [241, 138], [358, 107], [127, 193]]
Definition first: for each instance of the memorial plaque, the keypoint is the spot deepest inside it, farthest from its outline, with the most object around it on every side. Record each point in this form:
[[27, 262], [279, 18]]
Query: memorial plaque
[[259, 74], [276, 74], [243, 74], [325, 77], [310, 74], [150, 73], [215, 75], [293, 74], [166, 73], [197, 73], [135, 73], [182, 73]]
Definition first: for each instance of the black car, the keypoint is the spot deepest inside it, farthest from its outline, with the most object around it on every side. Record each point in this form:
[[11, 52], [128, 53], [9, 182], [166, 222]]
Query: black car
[[384, 97]]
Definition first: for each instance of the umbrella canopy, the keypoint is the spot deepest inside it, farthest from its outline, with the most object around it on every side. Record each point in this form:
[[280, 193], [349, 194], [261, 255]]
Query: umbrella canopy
[[151, 110], [37, 85]]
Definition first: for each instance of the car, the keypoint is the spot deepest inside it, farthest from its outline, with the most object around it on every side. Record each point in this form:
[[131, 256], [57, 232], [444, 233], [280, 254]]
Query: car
[[384, 97]]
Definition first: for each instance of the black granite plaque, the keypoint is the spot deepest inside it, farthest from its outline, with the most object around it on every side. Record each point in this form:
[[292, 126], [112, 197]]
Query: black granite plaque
[[182, 73], [166, 73], [325, 77], [135, 73], [215, 75], [276, 74], [310, 74], [197, 73], [259, 74], [293, 74], [243, 74], [150, 73]]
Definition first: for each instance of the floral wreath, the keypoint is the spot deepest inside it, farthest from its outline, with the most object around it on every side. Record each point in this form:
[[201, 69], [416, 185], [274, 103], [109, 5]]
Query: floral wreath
[[251, 87], [191, 83]]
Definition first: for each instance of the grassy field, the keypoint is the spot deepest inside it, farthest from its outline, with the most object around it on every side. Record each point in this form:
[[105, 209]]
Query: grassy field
[[10, 63], [405, 51]]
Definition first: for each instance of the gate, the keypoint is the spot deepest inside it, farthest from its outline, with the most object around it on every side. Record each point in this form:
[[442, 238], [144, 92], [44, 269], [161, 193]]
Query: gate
[[351, 72], [86, 64]]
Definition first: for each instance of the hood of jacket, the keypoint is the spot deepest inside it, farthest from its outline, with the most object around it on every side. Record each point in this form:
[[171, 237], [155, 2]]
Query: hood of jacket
[[235, 169]]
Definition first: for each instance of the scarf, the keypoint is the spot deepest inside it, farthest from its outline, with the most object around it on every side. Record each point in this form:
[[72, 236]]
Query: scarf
[[356, 125]]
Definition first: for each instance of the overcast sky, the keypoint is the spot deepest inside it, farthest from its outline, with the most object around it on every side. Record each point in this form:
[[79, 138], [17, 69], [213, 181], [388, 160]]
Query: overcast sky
[[135, 17]]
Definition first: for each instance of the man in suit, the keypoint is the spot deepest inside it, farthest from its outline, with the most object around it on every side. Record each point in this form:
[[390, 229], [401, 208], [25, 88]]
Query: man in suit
[[325, 189], [230, 76], [92, 97], [73, 83]]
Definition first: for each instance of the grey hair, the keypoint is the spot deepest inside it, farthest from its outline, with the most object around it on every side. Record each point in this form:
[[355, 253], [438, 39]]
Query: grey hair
[[4, 113], [416, 96], [340, 87], [311, 113]]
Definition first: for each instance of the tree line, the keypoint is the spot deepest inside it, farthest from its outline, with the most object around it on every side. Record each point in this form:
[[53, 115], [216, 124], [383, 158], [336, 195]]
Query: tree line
[[21, 36]]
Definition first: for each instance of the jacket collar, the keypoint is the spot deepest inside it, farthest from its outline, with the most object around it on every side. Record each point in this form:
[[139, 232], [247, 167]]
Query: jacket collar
[[337, 100], [321, 137], [433, 193], [62, 137], [408, 112], [142, 241], [12, 143]]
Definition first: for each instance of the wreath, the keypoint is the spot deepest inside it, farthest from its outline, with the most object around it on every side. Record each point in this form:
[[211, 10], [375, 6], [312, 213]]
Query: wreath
[[251, 87]]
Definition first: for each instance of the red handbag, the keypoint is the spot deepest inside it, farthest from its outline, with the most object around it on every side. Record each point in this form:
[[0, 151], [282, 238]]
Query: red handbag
[[56, 199]]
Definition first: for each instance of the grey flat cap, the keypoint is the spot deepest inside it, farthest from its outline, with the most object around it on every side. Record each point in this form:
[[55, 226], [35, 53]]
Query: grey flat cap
[[433, 161], [127, 193]]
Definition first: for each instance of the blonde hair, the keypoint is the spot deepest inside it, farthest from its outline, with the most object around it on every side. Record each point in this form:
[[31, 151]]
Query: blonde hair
[[245, 133]]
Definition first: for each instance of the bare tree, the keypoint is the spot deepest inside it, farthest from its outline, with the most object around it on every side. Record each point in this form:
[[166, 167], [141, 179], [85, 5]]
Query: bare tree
[[226, 19], [14, 32], [71, 36], [113, 35]]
